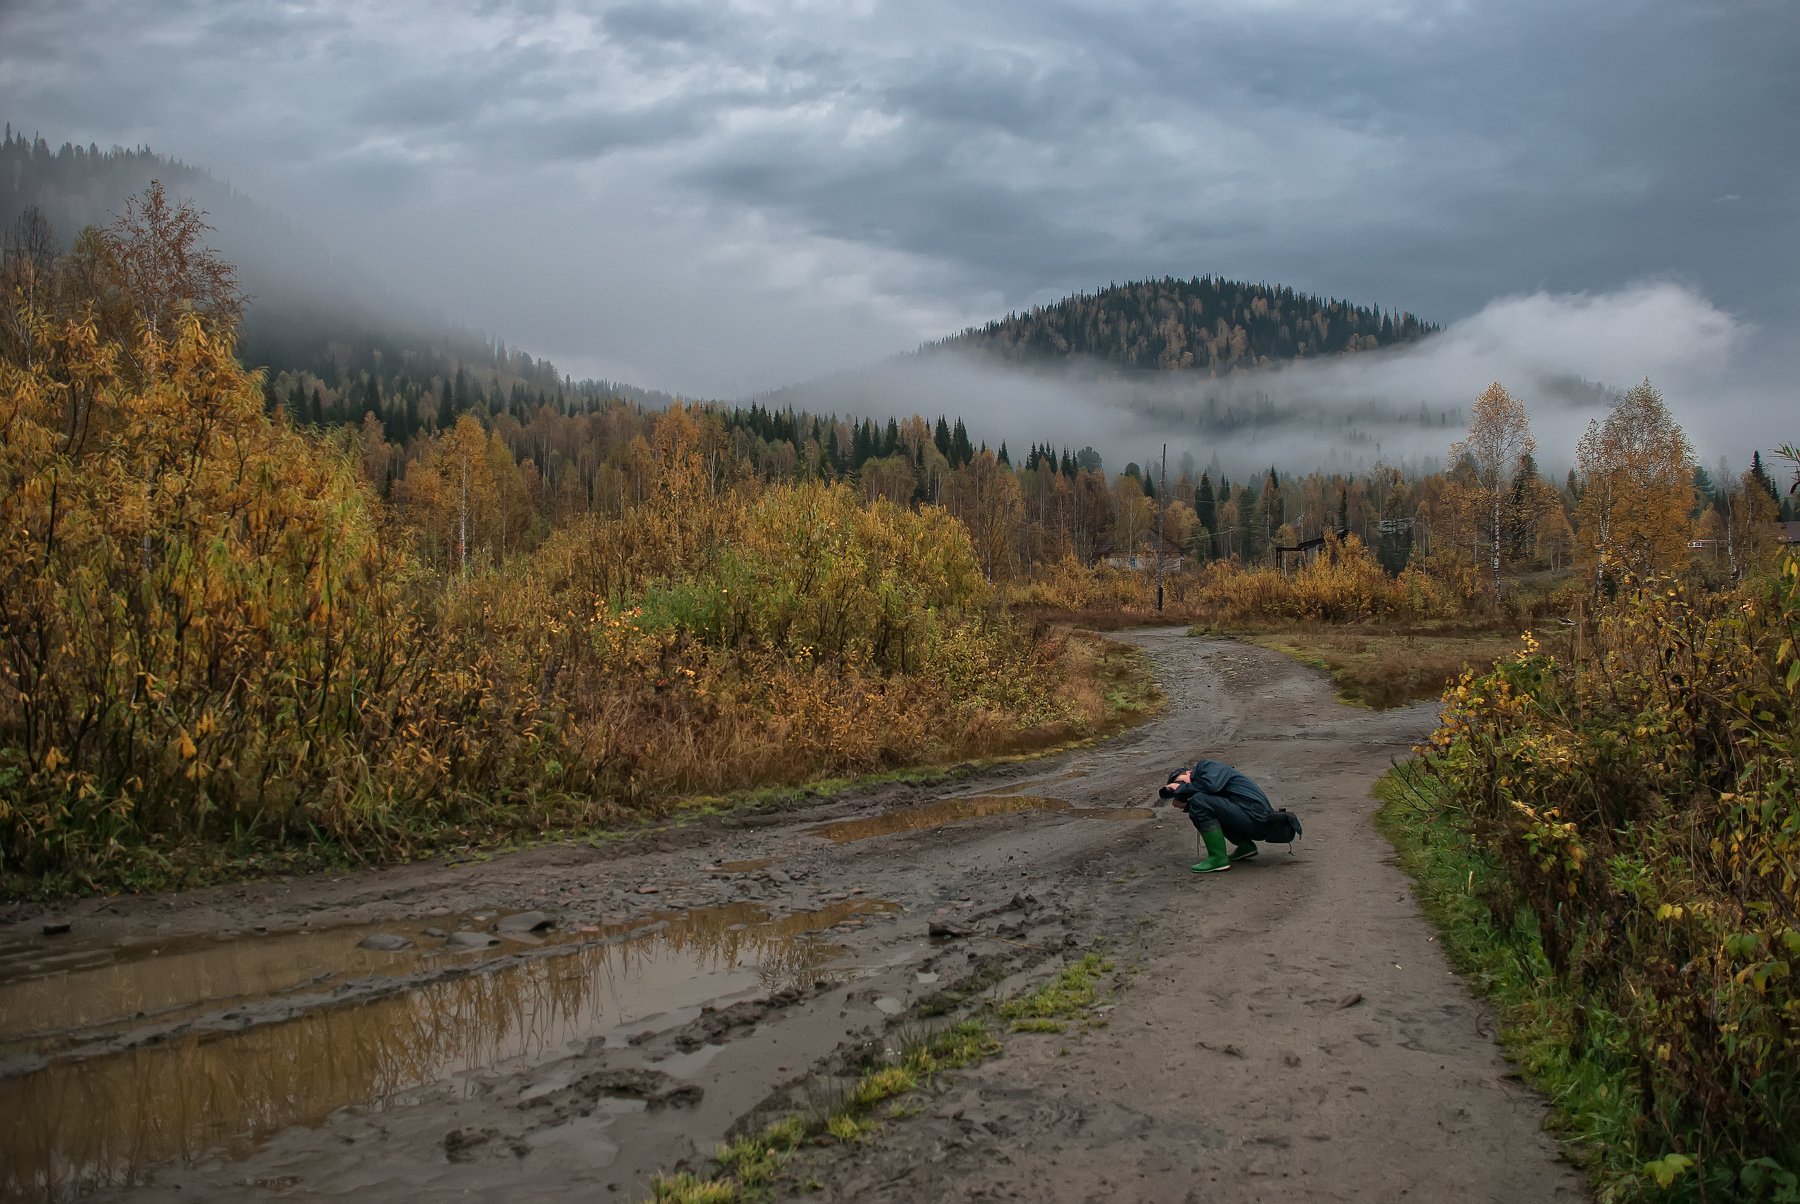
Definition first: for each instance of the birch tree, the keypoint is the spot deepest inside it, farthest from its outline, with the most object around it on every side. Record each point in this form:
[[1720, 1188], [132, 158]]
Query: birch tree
[[1499, 437]]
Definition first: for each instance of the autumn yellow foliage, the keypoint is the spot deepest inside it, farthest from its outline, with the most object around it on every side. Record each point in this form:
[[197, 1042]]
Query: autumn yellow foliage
[[212, 629], [1638, 796], [1342, 583]]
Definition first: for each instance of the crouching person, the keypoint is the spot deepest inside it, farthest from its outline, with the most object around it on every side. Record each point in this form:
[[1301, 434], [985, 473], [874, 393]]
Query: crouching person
[[1224, 805]]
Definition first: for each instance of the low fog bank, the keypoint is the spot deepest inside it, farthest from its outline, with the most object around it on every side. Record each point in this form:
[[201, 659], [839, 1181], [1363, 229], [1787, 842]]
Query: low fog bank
[[1566, 356]]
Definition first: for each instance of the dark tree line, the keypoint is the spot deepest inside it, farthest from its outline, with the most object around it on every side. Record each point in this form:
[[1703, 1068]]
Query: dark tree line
[[1203, 322]]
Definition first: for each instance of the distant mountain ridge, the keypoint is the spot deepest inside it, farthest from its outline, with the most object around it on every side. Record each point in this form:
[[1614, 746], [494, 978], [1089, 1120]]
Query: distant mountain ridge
[[1203, 323]]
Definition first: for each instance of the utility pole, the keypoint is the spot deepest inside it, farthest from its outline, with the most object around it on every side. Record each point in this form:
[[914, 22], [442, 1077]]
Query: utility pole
[[1162, 509]]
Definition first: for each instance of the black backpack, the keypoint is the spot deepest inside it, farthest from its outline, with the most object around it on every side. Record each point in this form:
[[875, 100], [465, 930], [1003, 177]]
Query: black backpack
[[1282, 828]]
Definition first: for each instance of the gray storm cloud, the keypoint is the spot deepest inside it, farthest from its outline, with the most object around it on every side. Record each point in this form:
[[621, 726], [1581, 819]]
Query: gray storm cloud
[[721, 198]]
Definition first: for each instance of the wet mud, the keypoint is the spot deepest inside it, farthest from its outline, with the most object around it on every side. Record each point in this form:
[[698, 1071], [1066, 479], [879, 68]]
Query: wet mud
[[961, 810], [568, 1021]]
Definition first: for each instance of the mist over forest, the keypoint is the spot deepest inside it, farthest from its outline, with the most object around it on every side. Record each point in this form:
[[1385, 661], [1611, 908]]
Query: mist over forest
[[1394, 395]]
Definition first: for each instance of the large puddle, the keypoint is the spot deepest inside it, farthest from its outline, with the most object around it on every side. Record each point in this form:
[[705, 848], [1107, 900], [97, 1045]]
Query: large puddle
[[1030, 783], [961, 810], [81, 1123], [54, 994]]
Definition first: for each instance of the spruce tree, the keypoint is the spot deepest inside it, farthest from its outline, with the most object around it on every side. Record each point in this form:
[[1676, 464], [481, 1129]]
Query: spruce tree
[[961, 451], [1762, 477]]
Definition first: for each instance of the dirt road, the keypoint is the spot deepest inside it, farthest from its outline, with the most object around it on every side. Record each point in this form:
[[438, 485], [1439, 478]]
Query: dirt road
[[565, 1022]]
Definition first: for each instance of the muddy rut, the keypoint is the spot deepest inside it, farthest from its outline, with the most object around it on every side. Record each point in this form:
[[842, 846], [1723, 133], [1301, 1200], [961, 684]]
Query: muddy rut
[[565, 1022]]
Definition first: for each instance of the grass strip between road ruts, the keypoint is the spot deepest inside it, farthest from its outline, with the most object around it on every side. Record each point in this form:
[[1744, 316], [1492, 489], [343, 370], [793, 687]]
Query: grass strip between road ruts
[[750, 1166], [1592, 1103], [1381, 667]]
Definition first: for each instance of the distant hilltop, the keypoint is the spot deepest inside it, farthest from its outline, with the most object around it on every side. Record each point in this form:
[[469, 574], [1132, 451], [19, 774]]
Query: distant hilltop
[[1203, 324]]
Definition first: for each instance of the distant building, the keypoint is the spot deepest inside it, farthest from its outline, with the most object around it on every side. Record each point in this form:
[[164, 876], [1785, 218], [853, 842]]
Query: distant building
[[1144, 559], [1306, 550]]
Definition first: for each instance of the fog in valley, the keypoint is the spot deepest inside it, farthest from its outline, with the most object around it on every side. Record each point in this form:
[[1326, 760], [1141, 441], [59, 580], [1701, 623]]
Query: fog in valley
[[1566, 356], [719, 201]]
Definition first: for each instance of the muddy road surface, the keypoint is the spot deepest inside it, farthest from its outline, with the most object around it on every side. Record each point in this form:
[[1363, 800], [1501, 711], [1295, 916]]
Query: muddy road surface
[[566, 1022]]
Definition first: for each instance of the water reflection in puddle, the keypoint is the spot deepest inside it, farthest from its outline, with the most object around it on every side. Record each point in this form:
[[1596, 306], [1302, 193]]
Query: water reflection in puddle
[[1016, 787], [78, 1124], [961, 810], [52, 993]]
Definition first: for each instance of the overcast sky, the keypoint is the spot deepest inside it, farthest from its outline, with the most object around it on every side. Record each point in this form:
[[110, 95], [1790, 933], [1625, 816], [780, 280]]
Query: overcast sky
[[718, 198]]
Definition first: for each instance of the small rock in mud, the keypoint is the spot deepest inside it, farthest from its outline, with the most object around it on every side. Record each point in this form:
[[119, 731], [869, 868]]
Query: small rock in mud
[[648, 889], [655, 1088], [712, 1027], [780, 876], [461, 1145], [471, 940], [526, 921], [436, 934], [385, 942]]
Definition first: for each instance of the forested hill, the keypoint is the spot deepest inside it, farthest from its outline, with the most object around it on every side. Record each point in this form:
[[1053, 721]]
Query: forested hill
[[337, 343], [1203, 323]]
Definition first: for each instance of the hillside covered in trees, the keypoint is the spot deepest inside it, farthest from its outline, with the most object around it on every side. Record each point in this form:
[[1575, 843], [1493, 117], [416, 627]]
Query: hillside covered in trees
[[338, 349], [336, 344], [1204, 323]]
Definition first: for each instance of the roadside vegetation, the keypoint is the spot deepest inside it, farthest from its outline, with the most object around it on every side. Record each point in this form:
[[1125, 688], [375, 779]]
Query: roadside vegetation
[[1609, 836], [218, 638]]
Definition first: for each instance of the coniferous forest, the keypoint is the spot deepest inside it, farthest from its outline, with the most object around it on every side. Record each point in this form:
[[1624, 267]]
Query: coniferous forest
[[1202, 323]]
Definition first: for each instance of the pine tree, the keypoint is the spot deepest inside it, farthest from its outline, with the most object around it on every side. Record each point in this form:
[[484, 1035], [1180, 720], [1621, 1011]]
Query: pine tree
[[1762, 477], [462, 395]]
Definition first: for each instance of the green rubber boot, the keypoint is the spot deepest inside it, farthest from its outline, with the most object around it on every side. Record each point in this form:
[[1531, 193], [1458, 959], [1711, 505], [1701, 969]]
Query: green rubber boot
[[1245, 851], [1216, 858]]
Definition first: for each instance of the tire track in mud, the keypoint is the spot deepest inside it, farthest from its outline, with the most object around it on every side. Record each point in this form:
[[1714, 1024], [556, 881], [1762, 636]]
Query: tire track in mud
[[1397, 1094]]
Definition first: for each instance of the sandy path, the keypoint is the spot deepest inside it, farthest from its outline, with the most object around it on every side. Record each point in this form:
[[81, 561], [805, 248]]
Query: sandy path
[[1235, 1067], [1232, 1068]]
